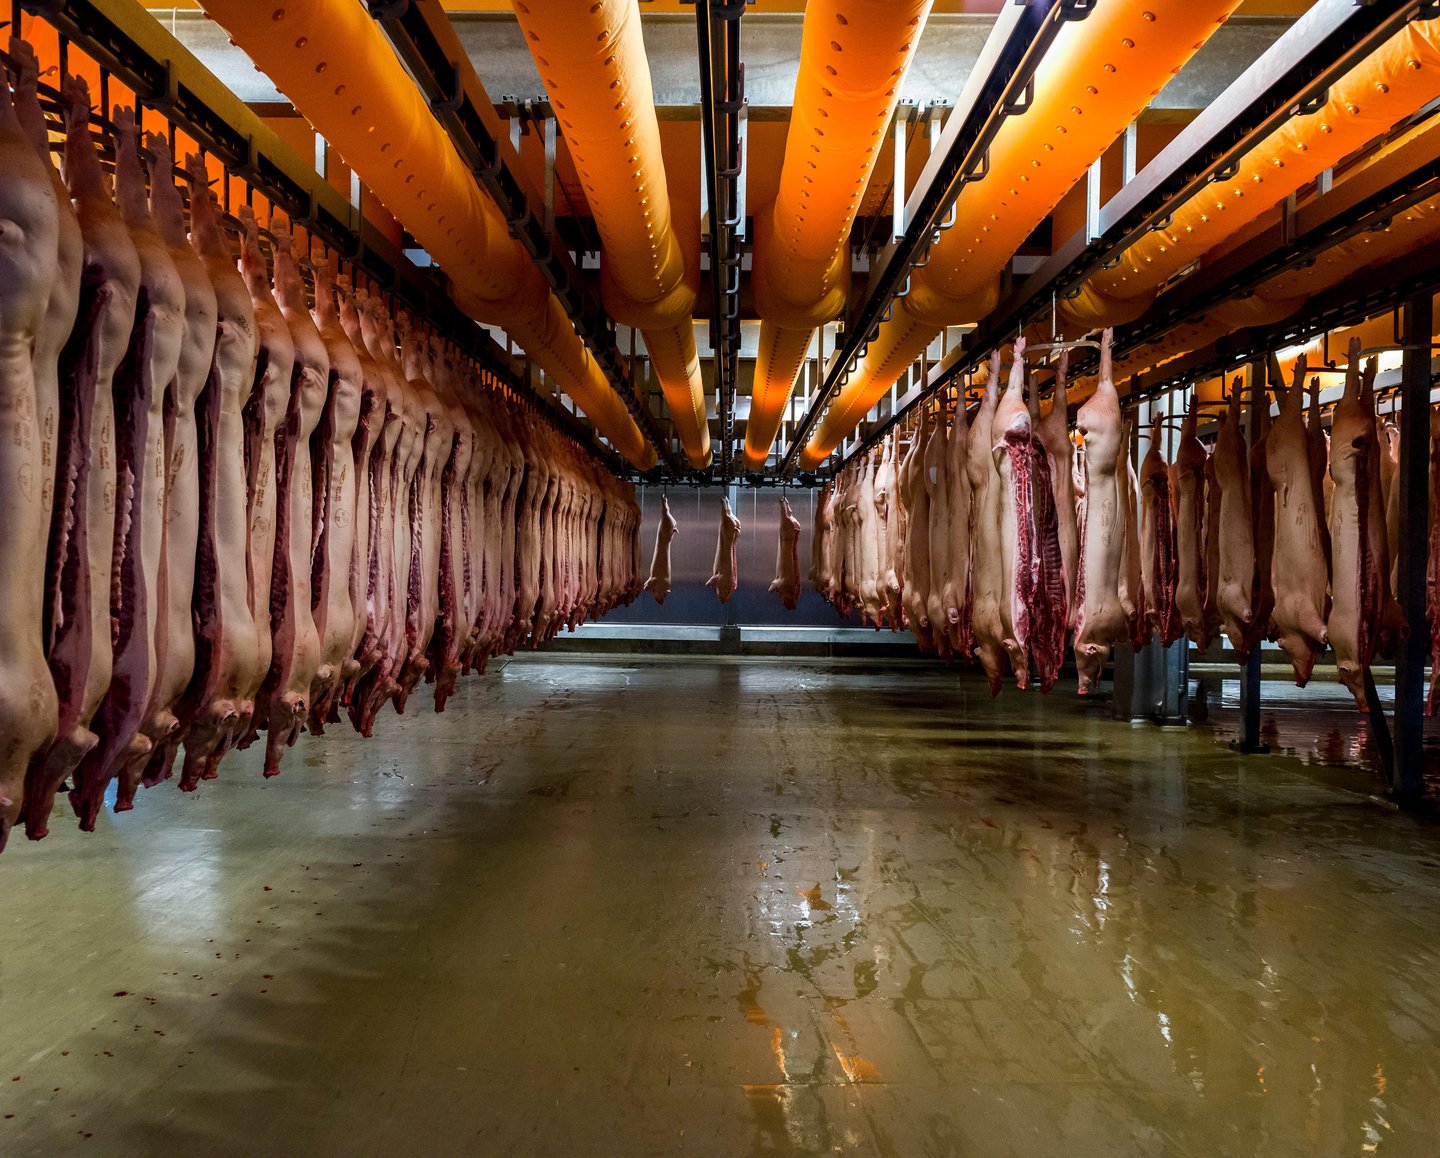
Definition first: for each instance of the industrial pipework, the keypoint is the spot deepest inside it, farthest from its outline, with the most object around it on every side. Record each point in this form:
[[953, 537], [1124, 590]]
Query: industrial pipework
[[1394, 81], [592, 60], [390, 138], [853, 58], [1099, 76]]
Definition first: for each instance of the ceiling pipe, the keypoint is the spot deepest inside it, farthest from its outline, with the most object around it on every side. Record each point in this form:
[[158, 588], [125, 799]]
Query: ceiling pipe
[[1270, 297], [592, 59], [1393, 82], [1099, 76], [1285, 294], [853, 58], [388, 135]]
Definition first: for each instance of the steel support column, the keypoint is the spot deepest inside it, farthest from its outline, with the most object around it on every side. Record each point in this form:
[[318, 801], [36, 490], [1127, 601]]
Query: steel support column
[[1414, 482], [722, 96]]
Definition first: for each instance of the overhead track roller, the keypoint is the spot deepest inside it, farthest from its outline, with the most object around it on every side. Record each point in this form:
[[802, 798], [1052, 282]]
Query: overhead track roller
[[429, 46], [1018, 42], [142, 54], [1298, 71]]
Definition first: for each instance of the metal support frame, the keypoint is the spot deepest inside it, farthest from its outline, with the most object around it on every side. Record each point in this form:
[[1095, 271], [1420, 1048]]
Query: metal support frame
[[722, 101], [1092, 199], [1414, 483], [1249, 740], [549, 130], [999, 88], [423, 37], [1317, 49]]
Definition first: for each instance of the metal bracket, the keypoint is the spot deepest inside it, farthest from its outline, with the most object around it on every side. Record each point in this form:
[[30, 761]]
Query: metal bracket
[[1226, 172], [1022, 104], [980, 172], [1313, 103], [452, 95]]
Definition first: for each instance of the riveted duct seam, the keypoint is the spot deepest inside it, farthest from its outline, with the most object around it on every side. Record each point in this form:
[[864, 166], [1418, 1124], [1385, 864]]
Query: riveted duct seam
[[315, 52], [853, 58], [592, 60], [1395, 80], [1098, 76]]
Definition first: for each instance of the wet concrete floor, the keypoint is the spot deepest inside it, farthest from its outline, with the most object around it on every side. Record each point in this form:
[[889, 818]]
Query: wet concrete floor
[[732, 908]]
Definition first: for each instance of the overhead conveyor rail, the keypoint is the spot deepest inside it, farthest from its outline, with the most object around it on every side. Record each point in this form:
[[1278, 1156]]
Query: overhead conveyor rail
[[722, 96], [131, 45], [1014, 50], [425, 40], [1293, 75]]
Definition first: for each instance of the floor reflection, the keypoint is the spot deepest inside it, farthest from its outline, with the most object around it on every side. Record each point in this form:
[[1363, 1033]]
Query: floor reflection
[[726, 908]]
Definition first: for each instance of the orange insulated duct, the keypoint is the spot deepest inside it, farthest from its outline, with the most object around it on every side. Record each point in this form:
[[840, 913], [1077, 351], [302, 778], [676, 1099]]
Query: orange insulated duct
[[1097, 77], [335, 66], [853, 56], [592, 59], [1283, 295], [1394, 81]]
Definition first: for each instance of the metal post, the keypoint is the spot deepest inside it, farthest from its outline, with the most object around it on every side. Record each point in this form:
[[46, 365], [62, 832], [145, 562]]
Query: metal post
[[897, 187], [742, 140], [550, 176], [1250, 741], [1250, 674], [1414, 548]]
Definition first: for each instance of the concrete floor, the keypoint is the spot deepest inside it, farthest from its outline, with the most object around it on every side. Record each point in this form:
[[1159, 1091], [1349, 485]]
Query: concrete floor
[[731, 908]]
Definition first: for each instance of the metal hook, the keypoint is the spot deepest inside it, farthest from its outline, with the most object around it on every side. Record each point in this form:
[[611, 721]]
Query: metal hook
[[1050, 347]]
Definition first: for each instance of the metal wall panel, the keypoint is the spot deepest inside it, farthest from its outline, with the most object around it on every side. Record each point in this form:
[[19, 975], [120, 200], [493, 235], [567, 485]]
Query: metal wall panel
[[692, 559]]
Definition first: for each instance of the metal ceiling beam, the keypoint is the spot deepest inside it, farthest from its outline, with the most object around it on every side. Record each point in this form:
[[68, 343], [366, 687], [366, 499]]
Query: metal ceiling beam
[[1003, 75], [722, 95], [425, 41], [1319, 48]]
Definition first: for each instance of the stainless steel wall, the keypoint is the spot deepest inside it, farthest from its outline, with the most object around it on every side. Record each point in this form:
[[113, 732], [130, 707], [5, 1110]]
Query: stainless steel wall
[[692, 559]]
